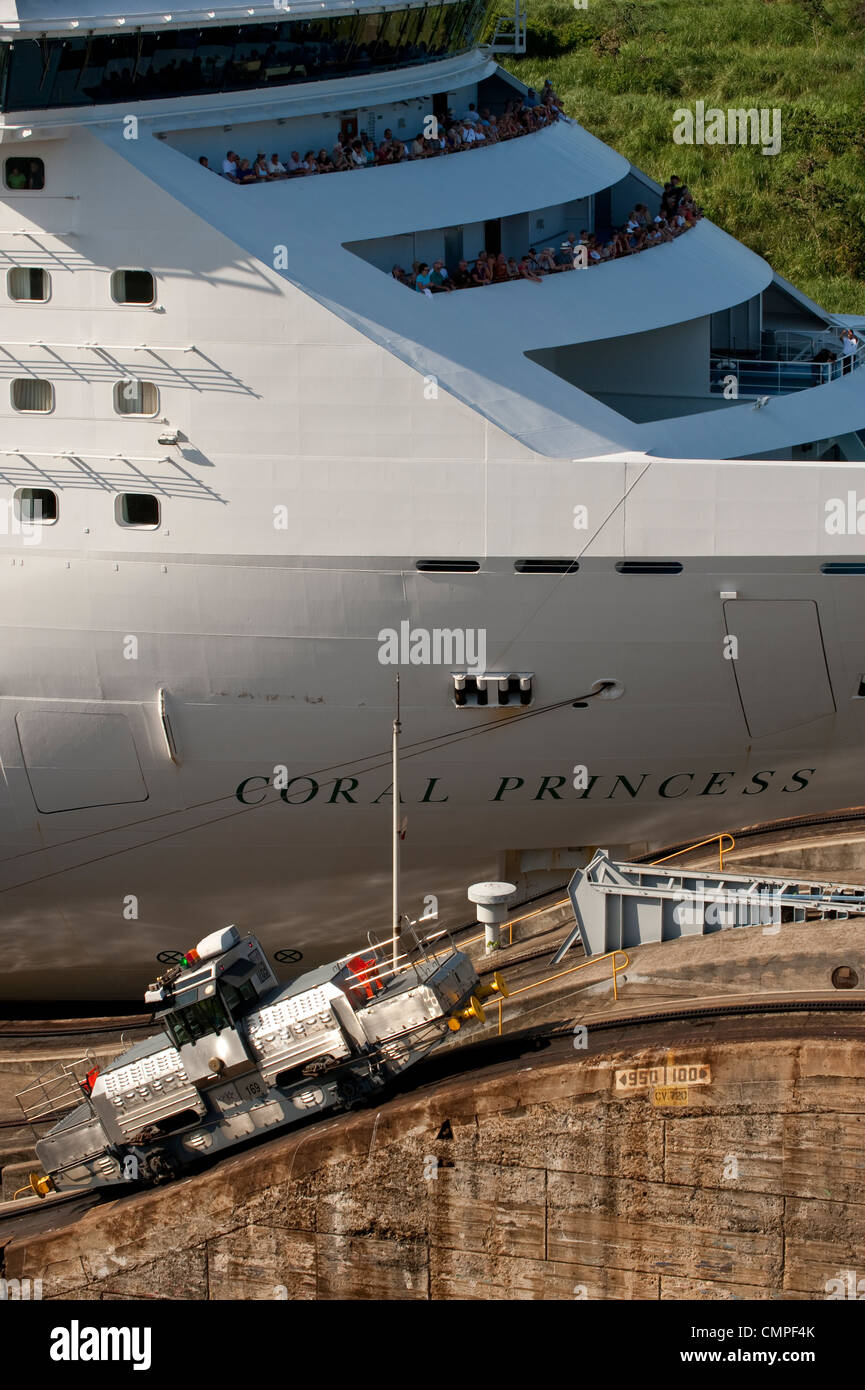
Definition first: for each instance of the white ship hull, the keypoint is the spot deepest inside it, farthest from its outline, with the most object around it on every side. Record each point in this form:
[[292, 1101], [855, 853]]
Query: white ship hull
[[277, 809]]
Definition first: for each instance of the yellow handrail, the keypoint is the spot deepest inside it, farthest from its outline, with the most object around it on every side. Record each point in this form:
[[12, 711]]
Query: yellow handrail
[[596, 960], [725, 835]]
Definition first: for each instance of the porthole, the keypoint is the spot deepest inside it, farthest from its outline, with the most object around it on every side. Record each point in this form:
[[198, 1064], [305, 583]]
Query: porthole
[[36, 506], [28, 283], [649, 567], [448, 566], [137, 509], [541, 566], [133, 287], [133, 397], [32, 395]]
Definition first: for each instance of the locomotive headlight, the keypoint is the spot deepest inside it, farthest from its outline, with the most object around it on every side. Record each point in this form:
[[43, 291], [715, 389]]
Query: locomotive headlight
[[199, 1140]]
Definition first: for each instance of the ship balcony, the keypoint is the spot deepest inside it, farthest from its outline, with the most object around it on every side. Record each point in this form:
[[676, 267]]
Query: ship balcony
[[795, 365]]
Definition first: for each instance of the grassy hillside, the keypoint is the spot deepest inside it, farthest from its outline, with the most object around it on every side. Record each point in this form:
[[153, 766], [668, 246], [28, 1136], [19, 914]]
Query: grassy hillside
[[623, 68]]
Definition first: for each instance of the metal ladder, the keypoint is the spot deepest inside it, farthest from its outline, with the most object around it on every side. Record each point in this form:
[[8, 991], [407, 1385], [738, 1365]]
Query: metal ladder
[[510, 31], [617, 906]]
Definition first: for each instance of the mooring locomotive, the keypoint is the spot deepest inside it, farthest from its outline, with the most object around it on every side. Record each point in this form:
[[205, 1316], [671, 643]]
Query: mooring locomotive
[[240, 1054]]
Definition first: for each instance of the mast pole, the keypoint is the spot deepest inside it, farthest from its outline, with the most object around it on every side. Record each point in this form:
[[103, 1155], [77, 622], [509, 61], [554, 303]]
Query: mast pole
[[395, 873]]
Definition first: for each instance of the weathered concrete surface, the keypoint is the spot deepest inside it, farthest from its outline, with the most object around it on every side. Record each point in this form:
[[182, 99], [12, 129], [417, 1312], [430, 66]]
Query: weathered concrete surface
[[554, 1185]]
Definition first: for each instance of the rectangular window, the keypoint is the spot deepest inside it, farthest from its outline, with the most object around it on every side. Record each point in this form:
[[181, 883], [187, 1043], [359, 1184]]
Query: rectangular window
[[36, 506], [32, 395], [28, 283], [132, 287], [137, 509], [136, 398], [24, 173]]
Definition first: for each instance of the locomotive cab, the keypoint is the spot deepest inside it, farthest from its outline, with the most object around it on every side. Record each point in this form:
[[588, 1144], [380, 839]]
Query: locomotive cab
[[226, 977]]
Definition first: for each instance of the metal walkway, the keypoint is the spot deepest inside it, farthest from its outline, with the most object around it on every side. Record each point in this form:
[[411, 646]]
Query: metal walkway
[[617, 906]]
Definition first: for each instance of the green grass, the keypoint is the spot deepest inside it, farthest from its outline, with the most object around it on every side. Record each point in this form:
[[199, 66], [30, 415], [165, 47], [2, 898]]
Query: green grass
[[623, 68]]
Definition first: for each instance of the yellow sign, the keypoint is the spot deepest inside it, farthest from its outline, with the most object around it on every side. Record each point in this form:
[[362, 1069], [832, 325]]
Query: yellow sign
[[670, 1095], [673, 1074]]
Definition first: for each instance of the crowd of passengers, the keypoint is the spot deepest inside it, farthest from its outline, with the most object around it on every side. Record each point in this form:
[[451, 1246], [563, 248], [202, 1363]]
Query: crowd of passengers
[[676, 214], [475, 130]]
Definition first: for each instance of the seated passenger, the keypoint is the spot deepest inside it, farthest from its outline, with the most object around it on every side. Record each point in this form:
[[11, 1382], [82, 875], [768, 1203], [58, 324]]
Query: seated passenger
[[294, 164], [527, 271], [202, 159], [418, 148], [245, 174], [399, 275], [368, 149], [454, 141], [546, 261], [309, 163], [275, 167], [356, 156], [492, 131], [462, 278], [500, 269], [440, 281], [482, 273], [324, 162], [398, 152], [471, 117], [467, 135], [422, 280], [230, 166], [532, 99], [513, 268], [260, 168]]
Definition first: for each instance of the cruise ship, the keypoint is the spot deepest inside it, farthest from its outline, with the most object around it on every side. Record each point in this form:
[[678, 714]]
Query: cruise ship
[[605, 527]]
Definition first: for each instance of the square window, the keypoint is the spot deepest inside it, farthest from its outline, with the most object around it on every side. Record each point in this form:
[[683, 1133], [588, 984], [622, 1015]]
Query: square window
[[24, 282], [23, 173], [136, 398], [137, 509], [32, 395], [36, 505], [133, 287]]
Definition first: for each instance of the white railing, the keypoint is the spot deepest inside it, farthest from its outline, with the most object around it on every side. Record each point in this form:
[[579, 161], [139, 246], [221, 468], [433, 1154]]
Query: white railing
[[764, 377]]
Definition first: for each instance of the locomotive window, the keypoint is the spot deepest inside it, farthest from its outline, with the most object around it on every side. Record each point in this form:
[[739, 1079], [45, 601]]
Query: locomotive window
[[236, 997], [196, 1022]]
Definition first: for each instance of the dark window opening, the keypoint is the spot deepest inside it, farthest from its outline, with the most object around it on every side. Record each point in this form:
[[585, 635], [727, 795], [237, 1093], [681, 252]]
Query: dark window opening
[[238, 997], [542, 566], [843, 567], [649, 567], [100, 68], [36, 505], [133, 287], [28, 283], [198, 1021], [24, 174], [448, 566], [138, 509]]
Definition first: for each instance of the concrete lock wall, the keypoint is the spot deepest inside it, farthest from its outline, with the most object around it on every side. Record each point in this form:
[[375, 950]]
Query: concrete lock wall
[[555, 1184]]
